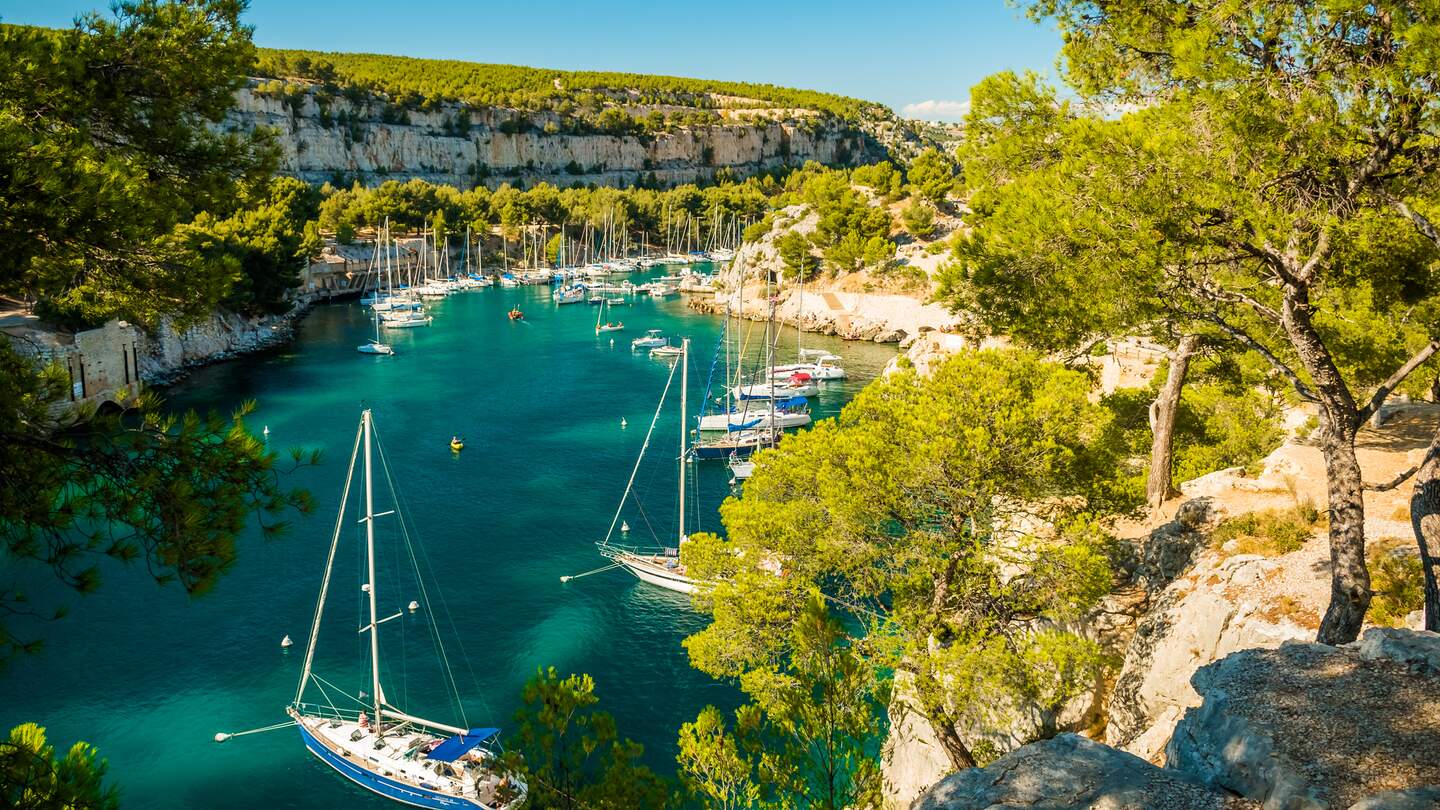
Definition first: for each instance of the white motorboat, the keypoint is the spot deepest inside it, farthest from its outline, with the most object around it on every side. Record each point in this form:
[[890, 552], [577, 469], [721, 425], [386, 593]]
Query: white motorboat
[[649, 340], [409, 321], [777, 389], [825, 366], [740, 420]]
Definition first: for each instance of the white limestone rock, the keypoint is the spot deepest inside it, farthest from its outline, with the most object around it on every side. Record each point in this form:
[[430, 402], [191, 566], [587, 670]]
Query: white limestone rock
[[1072, 772]]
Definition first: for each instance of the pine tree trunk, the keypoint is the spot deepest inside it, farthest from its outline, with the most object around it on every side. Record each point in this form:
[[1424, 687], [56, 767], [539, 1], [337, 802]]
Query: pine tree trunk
[[1340, 420], [1425, 518], [955, 749], [1349, 577], [1159, 486]]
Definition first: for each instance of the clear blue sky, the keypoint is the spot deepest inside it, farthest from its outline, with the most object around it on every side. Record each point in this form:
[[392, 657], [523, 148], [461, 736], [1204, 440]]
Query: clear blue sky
[[897, 53]]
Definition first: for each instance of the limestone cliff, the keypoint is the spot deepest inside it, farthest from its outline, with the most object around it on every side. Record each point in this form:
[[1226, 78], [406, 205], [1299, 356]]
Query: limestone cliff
[[319, 142]]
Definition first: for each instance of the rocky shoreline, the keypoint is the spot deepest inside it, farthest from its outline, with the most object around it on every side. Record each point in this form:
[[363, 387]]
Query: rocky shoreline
[[170, 355]]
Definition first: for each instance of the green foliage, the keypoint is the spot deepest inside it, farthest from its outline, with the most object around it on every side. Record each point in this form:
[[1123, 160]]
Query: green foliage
[[173, 493], [1230, 416], [1398, 578], [794, 250], [919, 218], [428, 81], [33, 778], [851, 233], [571, 754], [712, 769], [415, 202], [932, 175], [912, 509], [100, 164], [109, 142], [810, 737], [1270, 533], [881, 177], [262, 247], [1251, 197]]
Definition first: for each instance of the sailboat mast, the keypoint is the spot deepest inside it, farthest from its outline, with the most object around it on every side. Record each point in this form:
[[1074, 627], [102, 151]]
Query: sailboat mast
[[370, 563], [325, 581], [800, 315], [684, 425]]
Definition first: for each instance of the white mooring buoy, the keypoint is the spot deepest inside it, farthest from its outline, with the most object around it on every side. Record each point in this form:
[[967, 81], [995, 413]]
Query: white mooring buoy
[[624, 527], [266, 431], [221, 736], [414, 606], [365, 588], [286, 642], [623, 423]]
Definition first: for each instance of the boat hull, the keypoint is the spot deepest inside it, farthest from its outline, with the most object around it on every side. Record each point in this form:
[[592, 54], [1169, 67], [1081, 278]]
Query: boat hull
[[664, 579], [376, 783], [762, 419]]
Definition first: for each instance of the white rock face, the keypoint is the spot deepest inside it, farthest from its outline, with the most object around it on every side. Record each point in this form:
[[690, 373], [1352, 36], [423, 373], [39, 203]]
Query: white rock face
[[1223, 604], [374, 151], [912, 760], [169, 351]]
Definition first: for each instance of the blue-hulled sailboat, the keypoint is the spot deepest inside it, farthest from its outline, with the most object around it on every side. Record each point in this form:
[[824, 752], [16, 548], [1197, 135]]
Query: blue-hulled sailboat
[[371, 741]]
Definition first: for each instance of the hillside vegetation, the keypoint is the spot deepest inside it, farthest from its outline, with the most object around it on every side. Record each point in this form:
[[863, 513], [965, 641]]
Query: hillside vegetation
[[426, 82]]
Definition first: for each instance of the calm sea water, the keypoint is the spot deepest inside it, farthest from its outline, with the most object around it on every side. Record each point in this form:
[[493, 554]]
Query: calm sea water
[[149, 675]]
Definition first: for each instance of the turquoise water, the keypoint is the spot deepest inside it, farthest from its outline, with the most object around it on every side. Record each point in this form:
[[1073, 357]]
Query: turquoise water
[[150, 676]]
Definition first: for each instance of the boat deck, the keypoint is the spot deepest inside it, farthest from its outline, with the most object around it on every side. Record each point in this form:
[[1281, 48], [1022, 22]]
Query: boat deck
[[396, 755]]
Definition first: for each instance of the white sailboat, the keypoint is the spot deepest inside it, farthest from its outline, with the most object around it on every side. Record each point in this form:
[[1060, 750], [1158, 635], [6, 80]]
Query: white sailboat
[[379, 746], [661, 565], [375, 346], [602, 325]]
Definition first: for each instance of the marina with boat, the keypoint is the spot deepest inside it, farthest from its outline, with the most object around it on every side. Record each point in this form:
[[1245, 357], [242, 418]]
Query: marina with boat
[[659, 402]]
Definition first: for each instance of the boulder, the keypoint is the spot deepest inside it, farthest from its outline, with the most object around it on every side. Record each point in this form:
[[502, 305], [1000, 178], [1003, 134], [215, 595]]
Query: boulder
[[1418, 650], [1219, 605], [1426, 798], [1311, 727], [1071, 771]]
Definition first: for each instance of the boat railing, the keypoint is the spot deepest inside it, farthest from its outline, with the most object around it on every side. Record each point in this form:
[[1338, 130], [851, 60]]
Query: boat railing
[[329, 712]]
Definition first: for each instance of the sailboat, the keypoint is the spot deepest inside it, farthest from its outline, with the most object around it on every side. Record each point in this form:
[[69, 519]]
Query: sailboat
[[660, 565], [741, 414], [375, 346], [379, 746], [607, 326]]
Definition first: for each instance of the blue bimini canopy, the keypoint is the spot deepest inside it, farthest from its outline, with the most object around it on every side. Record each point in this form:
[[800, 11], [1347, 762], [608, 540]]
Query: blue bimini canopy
[[456, 747], [792, 402]]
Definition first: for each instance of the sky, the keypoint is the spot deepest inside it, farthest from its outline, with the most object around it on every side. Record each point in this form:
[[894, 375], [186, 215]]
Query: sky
[[920, 58]]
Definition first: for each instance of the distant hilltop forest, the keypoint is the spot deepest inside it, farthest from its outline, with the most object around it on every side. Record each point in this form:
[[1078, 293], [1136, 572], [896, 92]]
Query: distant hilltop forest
[[426, 83]]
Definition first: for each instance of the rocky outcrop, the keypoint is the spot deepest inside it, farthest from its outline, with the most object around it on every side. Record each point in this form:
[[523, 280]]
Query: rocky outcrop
[[863, 305], [319, 145], [1312, 727], [169, 353], [1071, 771], [1221, 605], [1300, 727]]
